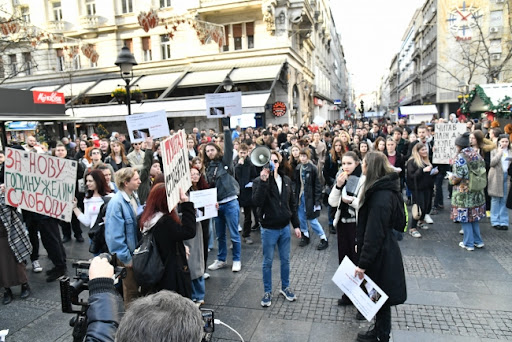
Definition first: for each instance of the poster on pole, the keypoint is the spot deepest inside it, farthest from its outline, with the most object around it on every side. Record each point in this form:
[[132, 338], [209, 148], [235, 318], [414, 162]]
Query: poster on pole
[[176, 167], [205, 203], [223, 104], [40, 183], [367, 297], [444, 141], [151, 124]]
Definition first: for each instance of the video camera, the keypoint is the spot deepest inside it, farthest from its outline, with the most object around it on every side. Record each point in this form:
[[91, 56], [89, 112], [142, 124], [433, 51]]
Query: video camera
[[71, 288]]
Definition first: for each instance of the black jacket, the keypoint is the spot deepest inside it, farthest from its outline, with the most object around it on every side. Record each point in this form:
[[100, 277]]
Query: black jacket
[[331, 168], [312, 189], [418, 180], [277, 210], [377, 247], [105, 310], [245, 173]]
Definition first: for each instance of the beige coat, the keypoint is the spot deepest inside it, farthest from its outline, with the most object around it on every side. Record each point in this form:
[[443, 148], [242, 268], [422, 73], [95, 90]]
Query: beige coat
[[495, 176]]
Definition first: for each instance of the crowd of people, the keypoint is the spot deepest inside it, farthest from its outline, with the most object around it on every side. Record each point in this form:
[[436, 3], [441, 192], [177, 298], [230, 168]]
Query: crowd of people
[[351, 167]]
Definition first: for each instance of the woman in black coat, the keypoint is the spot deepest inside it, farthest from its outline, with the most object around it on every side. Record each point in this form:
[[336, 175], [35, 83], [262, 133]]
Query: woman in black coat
[[169, 232], [378, 251]]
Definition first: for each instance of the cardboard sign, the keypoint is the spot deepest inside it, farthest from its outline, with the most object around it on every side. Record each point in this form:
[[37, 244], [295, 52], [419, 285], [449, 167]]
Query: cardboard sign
[[223, 104], [176, 167], [141, 126], [444, 141], [40, 183]]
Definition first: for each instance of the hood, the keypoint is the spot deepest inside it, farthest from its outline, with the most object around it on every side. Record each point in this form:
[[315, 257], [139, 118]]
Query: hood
[[149, 224], [488, 145], [390, 181]]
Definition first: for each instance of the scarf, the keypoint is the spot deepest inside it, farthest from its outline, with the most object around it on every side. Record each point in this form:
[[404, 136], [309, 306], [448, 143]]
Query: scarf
[[18, 239]]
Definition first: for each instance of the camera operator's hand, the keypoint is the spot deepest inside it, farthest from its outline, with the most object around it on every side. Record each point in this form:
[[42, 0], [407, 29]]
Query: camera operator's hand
[[100, 268]]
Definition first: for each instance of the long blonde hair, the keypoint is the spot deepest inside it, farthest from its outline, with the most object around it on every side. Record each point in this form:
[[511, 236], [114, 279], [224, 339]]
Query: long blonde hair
[[415, 156]]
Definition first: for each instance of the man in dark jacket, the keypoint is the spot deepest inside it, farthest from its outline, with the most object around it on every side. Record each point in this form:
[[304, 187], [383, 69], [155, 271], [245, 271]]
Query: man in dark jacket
[[245, 172], [273, 193]]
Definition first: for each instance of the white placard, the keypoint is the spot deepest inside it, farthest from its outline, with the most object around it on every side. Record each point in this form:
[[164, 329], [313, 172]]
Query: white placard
[[40, 183], [176, 167], [444, 141], [367, 297], [223, 104], [152, 124], [205, 203]]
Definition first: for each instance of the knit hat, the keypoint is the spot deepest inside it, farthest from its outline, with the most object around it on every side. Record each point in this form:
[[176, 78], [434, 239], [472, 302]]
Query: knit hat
[[462, 140]]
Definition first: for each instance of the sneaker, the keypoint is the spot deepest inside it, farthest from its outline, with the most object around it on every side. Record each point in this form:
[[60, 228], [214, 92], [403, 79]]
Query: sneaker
[[266, 301], [423, 226], [428, 219], [322, 245], [248, 240], [206, 276], [239, 228], [479, 245], [36, 266], [461, 244], [288, 294], [198, 303], [414, 233], [216, 265], [255, 227], [304, 241], [237, 266], [461, 232]]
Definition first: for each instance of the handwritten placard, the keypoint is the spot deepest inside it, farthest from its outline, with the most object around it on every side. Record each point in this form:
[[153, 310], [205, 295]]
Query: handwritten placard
[[40, 183], [176, 167], [444, 141]]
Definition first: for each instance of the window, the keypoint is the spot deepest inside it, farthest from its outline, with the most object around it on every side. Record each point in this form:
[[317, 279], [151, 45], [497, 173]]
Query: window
[[90, 7], [27, 60], [146, 49], [60, 60], [226, 38], [237, 36], [57, 11], [165, 3], [129, 44], [13, 63], [25, 14], [496, 19], [249, 32], [495, 46], [166, 46], [77, 65], [127, 6]]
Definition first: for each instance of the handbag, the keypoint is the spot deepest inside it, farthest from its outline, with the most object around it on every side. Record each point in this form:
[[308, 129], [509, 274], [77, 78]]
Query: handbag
[[416, 211], [183, 279], [148, 267]]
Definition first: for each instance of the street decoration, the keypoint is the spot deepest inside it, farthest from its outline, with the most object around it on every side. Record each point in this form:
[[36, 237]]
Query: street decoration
[[90, 52], [502, 109], [148, 20]]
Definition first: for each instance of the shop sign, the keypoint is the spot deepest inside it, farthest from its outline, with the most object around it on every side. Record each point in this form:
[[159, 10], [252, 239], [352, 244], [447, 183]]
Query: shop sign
[[48, 97], [279, 109]]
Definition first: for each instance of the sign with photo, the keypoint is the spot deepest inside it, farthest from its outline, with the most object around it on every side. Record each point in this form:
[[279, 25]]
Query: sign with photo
[[40, 183], [223, 104], [152, 124]]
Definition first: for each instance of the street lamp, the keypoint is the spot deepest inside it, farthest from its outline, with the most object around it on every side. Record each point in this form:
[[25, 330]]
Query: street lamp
[[227, 84], [125, 61], [463, 90]]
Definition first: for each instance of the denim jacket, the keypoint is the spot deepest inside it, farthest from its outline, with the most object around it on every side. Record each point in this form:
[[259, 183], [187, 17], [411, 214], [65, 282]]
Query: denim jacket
[[121, 227]]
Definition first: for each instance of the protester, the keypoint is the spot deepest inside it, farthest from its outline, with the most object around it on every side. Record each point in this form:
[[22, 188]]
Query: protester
[[117, 158], [498, 182]]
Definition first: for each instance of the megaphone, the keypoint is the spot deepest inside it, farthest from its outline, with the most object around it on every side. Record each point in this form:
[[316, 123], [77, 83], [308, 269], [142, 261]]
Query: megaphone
[[260, 156]]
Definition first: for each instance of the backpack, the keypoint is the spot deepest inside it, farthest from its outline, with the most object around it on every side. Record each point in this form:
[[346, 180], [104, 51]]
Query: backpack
[[477, 176], [148, 267]]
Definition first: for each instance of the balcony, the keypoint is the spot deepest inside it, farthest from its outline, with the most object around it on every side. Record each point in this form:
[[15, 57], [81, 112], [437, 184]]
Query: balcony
[[209, 3], [89, 22], [56, 26]]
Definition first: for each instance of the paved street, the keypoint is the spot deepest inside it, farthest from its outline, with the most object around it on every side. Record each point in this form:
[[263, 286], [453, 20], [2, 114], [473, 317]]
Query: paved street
[[453, 294]]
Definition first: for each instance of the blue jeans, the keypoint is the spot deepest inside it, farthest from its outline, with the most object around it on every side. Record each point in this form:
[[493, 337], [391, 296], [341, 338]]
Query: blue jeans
[[315, 225], [471, 233], [269, 239], [198, 288], [228, 218], [499, 210]]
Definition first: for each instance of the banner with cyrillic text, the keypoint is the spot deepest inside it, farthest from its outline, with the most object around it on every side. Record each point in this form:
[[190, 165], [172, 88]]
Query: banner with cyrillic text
[[40, 183], [176, 167], [444, 141]]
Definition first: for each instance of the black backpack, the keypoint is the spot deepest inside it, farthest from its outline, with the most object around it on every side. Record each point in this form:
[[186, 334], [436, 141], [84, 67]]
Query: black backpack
[[148, 267]]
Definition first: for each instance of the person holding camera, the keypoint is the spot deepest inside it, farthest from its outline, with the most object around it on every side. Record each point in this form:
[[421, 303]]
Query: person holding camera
[[163, 316], [273, 193]]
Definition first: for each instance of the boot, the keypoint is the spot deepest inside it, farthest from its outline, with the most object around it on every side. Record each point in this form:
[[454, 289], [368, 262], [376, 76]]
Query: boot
[[56, 273], [7, 296], [304, 241], [332, 230], [25, 291]]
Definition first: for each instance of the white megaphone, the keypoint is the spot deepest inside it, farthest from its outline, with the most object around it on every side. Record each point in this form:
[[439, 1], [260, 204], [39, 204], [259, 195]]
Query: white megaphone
[[260, 156]]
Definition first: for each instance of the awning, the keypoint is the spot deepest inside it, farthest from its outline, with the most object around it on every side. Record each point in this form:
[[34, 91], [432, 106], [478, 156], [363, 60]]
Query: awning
[[74, 89], [203, 78], [418, 110], [252, 74], [105, 87], [251, 103], [164, 81], [47, 88]]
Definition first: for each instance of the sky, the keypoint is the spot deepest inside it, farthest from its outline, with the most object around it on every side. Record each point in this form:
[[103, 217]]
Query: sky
[[371, 33]]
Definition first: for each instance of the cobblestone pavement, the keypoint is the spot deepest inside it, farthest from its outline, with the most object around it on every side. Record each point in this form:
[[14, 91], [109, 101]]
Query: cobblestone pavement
[[453, 294]]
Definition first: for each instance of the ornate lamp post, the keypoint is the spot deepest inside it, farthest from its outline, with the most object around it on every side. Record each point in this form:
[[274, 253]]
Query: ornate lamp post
[[125, 61]]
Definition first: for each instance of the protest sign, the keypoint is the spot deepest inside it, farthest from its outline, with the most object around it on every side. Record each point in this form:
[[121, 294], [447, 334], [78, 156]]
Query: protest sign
[[152, 124], [367, 297], [176, 167], [444, 141], [40, 183], [205, 203], [223, 104]]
